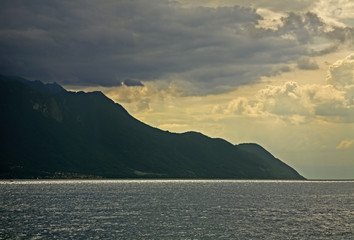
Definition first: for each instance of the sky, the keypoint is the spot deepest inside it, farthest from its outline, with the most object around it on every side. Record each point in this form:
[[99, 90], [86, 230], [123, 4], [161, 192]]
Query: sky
[[273, 72]]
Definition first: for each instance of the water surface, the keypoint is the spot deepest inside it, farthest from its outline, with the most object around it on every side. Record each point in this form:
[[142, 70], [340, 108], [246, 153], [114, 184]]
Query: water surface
[[176, 209]]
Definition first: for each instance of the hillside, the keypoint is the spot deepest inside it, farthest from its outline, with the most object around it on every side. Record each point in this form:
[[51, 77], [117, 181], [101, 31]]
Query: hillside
[[48, 132]]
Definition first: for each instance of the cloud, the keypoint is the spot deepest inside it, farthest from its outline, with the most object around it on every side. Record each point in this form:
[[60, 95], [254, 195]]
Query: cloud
[[132, 82], [345, 144], [95, 43], [273, 5], [298, 103], [241, 106], [321, 37], [203, 50], [337, 12], [341, 73], [284, 100], [306, 63]]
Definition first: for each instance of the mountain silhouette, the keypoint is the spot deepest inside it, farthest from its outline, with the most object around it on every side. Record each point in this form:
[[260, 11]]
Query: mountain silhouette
[[48, 132]]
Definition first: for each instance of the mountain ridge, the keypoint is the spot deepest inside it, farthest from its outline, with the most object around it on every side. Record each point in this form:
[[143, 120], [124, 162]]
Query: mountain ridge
[[49, 132]]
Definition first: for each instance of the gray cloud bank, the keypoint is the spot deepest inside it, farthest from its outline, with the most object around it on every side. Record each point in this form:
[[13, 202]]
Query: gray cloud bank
[[105, 43]]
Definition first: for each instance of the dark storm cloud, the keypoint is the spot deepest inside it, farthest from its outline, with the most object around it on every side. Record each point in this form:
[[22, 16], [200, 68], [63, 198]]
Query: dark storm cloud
[[305, 63], [107, 42], [132, 83]]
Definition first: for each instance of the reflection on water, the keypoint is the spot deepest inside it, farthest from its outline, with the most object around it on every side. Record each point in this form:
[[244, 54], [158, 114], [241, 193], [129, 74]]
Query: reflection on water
[[176, 209]]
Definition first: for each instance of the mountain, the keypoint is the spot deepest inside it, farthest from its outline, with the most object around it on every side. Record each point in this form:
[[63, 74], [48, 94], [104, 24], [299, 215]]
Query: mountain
[[48, 132]]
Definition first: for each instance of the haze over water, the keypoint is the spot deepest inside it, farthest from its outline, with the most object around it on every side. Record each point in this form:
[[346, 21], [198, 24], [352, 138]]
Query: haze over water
[[176, 209]]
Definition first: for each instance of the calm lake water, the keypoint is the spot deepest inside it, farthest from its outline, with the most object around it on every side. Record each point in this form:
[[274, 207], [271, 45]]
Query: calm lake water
[[174, 209]]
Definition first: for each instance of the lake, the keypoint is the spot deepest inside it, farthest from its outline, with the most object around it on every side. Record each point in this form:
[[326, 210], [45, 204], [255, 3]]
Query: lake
[[176, 209]]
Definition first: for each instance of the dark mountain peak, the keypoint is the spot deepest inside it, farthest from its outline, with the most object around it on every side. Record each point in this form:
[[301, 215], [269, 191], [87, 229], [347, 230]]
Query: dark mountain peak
[[197, 136], [99, 100], [55, 87], [251, 147], [12, 78], [94, 94], [45, 88], [98, 93], [255, 149], [50, 132], [194, 134]]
